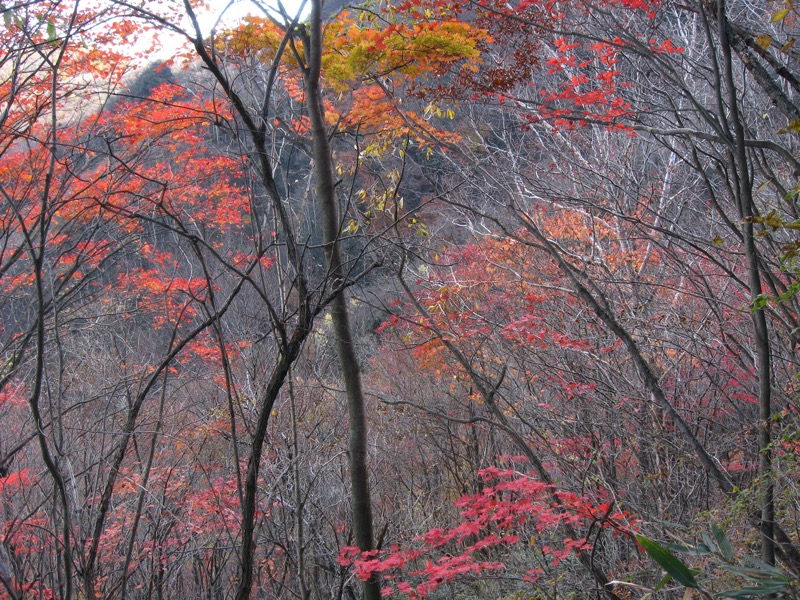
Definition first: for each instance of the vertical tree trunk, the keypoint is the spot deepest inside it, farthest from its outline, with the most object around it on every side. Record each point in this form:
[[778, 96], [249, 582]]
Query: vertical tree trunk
[[351, 373], [744, 197]]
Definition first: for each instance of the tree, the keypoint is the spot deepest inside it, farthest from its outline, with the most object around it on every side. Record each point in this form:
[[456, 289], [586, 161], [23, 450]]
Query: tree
[[285, 47], [586, 209], [607, 240], [96, 217]]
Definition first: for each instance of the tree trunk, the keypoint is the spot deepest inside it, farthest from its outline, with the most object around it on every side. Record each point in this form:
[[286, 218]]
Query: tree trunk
[[744, 197], [351, 372]]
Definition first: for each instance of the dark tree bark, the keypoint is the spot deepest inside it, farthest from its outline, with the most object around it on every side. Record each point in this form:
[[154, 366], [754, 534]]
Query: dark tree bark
[[345, 346], [743, 191]]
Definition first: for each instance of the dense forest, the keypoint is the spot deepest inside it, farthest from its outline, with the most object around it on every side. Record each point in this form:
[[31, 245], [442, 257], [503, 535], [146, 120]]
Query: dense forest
[[446, 299]]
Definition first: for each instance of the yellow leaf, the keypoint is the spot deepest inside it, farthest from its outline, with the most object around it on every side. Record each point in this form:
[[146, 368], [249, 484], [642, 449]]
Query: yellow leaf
[[788, 45], [793, 127], [779, 16], [764, 41]]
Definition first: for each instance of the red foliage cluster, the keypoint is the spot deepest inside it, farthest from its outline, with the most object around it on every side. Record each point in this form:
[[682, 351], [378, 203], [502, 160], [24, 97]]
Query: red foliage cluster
[[512, 508]]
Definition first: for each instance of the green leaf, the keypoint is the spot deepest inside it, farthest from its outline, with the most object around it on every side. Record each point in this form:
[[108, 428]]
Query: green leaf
[[758, 571], [759, 302], [709, 542], [698, 550], [672, 565], [667, 578], [749, 592], [51, 32], [763, 567], [772, 220], [723, 543]]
